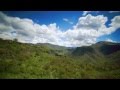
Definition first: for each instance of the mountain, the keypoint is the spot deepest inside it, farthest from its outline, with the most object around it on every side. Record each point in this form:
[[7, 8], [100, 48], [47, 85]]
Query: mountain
[[107, 48], [102, 47], [47, 61]]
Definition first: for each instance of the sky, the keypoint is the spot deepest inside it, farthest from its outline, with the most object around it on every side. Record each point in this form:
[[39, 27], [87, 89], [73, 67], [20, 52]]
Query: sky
[[64, 28]]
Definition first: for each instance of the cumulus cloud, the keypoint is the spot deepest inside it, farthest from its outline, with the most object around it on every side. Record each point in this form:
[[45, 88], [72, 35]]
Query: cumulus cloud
[[67, 20], [91, 22], [116, 22], [85, 32], [89, 28]]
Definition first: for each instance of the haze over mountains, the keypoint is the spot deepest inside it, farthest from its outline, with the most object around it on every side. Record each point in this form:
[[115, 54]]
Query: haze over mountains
[[20, 60]]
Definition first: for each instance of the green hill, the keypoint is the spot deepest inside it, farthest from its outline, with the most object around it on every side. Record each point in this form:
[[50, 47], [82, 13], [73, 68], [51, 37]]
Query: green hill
[[18, 60]]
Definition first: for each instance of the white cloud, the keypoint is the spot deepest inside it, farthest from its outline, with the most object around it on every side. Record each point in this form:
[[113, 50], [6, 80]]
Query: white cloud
[[85, 32], [116, 22], [89, 28], [67, 20], [91, 22], [85, 12], [110, 40], [113, 11]]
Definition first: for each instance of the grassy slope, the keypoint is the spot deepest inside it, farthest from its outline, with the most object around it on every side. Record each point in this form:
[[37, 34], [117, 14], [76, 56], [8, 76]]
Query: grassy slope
[[38, 61]]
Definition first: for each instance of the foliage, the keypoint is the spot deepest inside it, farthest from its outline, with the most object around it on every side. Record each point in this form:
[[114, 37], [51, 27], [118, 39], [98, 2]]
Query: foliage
[[19, 60]]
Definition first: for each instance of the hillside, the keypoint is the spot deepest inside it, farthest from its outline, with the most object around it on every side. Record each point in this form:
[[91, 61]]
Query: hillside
[[18, 60]]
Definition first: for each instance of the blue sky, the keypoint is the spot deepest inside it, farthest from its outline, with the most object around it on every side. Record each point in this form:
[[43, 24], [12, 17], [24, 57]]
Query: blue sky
[[47, 17], [67, 19]]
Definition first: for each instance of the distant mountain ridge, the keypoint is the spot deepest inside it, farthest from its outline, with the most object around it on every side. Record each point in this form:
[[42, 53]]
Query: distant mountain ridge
[[102, 47]]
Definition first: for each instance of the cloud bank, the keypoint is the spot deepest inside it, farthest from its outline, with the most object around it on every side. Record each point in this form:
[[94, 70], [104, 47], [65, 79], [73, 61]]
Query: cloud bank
[[85, 32]]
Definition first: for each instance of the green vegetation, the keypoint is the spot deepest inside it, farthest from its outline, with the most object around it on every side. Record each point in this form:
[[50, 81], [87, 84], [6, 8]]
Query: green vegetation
[[47, 61]]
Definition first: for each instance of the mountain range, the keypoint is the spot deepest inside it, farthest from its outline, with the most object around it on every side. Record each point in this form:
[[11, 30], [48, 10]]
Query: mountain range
[[43, 60]]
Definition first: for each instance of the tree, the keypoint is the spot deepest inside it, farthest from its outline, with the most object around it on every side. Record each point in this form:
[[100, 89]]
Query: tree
[[16, 40]]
